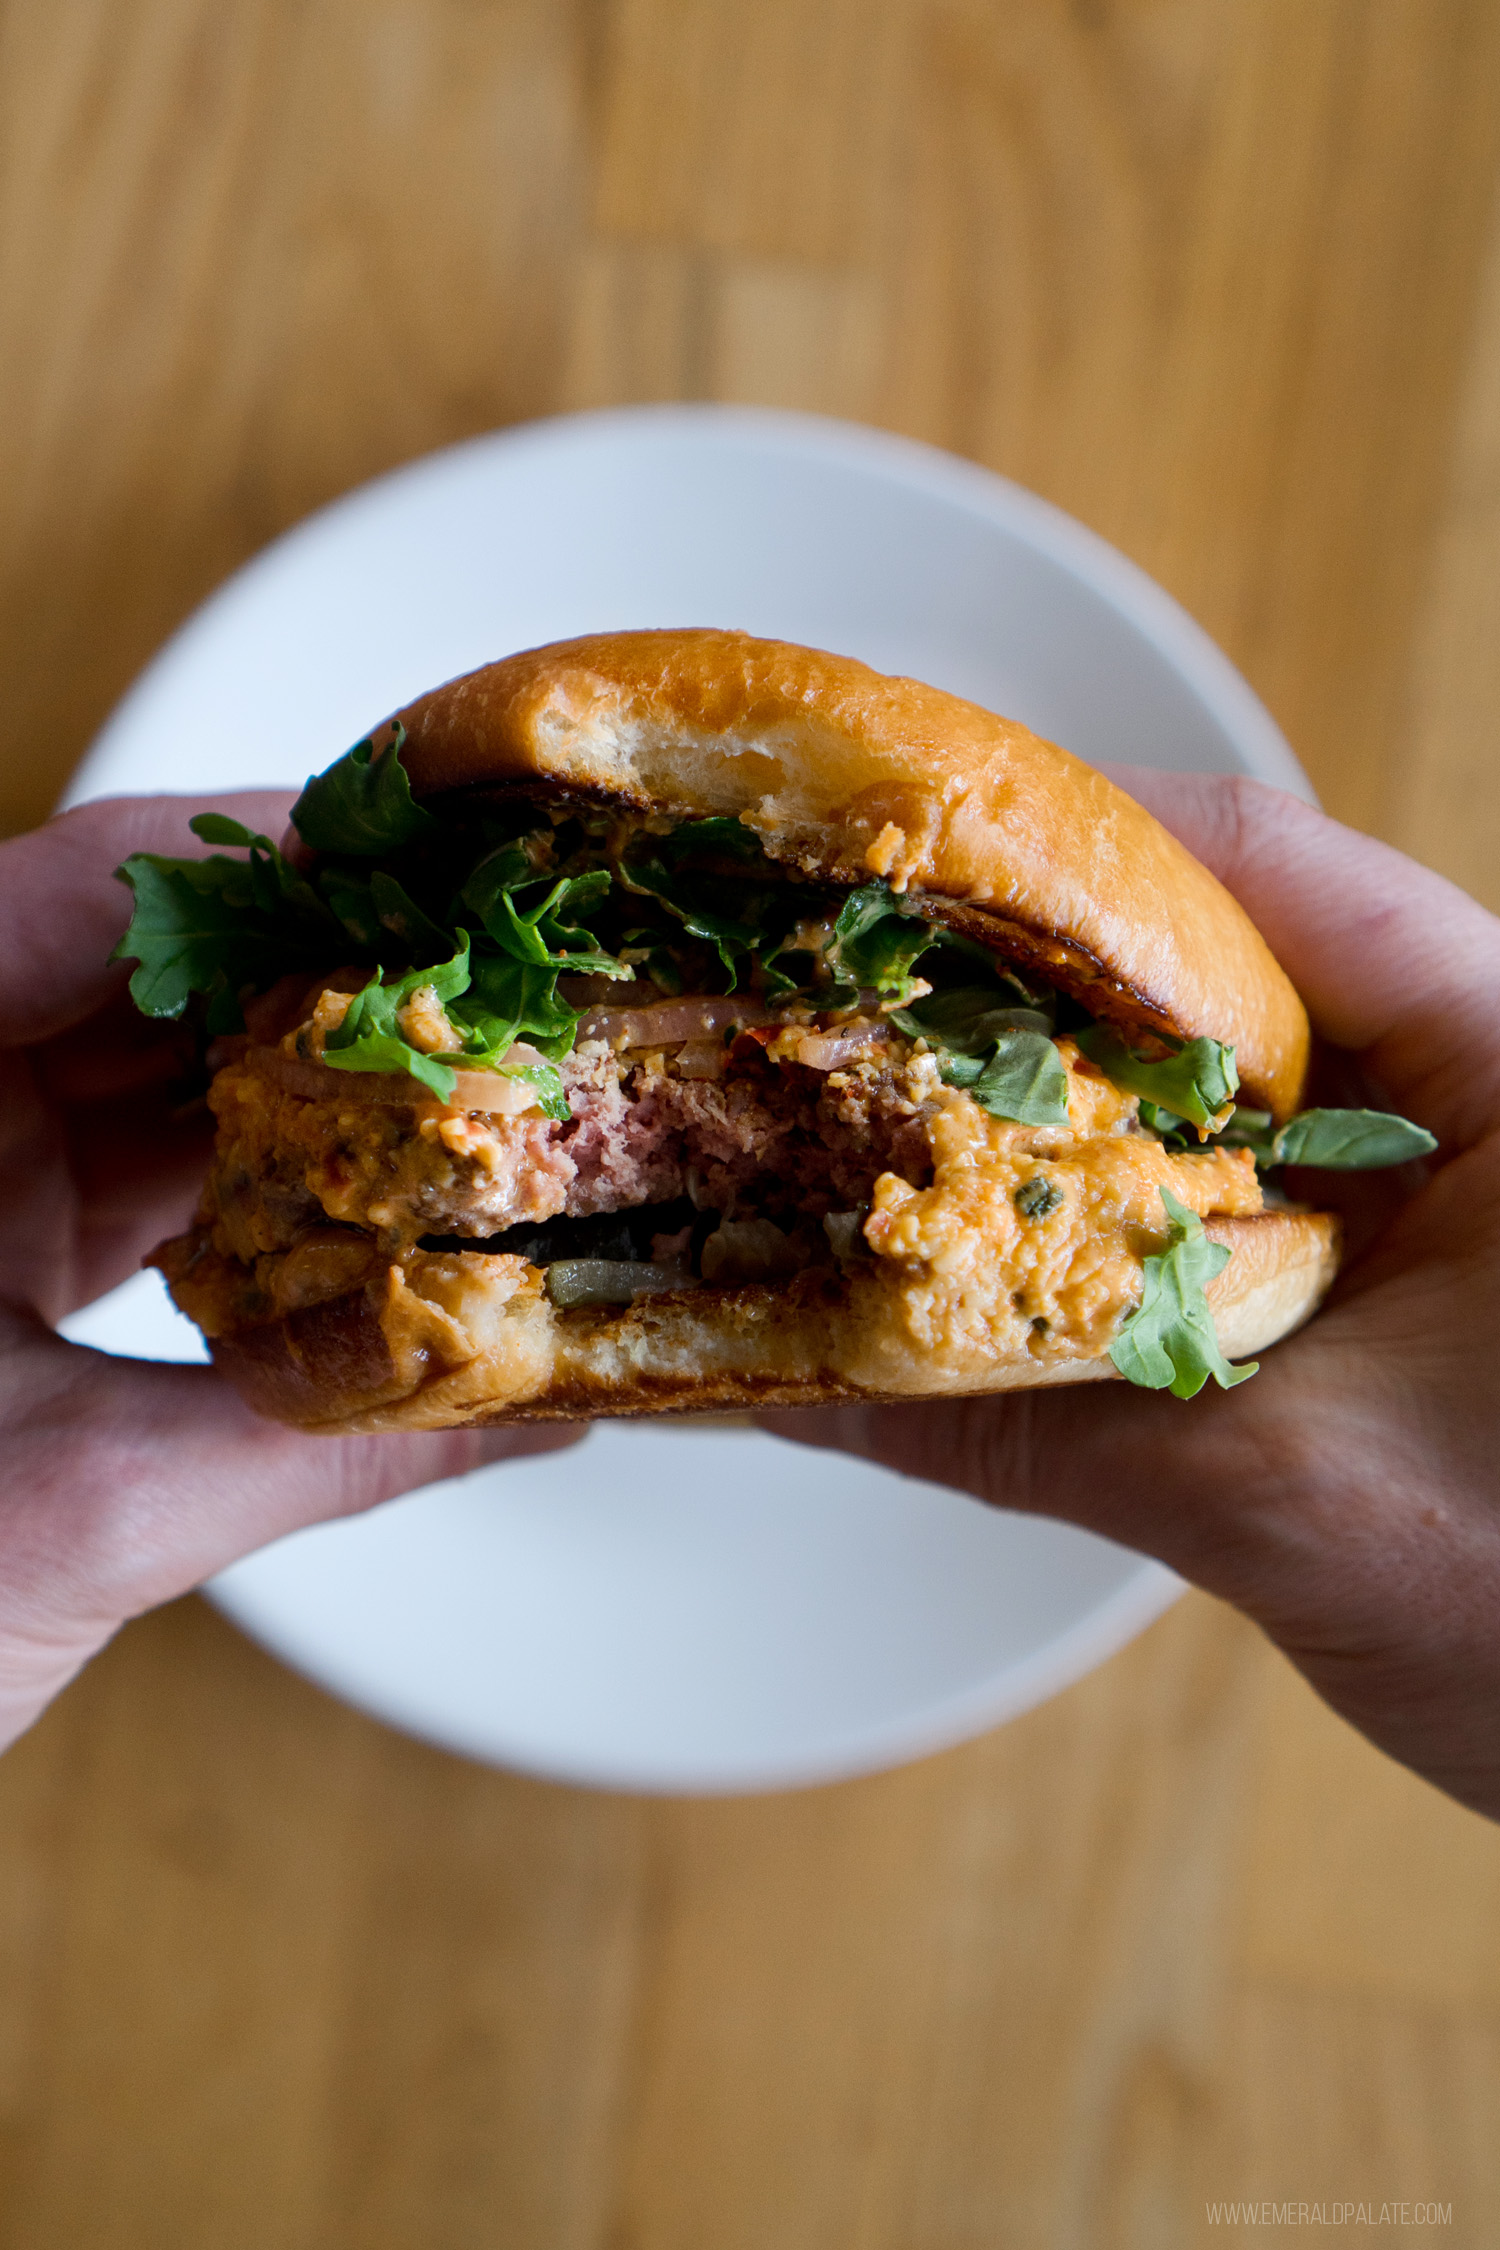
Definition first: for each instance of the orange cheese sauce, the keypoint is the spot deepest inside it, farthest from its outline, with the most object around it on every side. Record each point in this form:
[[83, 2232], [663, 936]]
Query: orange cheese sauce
[[987, 1275], [282, 1162]]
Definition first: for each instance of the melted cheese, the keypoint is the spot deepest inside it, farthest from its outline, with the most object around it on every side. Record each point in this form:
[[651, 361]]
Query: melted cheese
[[984, 1278]]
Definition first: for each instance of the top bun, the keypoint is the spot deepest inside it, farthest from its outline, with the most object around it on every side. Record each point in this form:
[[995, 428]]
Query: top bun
[[847, 773]]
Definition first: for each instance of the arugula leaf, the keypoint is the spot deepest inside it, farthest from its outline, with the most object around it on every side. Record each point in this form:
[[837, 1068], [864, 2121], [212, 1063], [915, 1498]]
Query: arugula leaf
[[362, 807], [187, 932], [542, 937], [493, 997], [1195, 1083], [547, 1084], [369, 1038], [399, 913], [218, 828], [351, 901], [1351, 1140], [1247, 1128], [275, 884], [684, 900], [206, 926], [721, 838], [875, 943], [508, 868], [1167, 1125], [509, 1000], [644, 949], [1168, 1342], [665, 970]]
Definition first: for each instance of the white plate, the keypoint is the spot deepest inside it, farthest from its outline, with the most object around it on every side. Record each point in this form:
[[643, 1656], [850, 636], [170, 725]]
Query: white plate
[[668, 1608]]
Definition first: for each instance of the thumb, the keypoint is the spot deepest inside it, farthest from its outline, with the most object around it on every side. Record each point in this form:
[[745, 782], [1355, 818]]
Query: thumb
[[1394, 963]]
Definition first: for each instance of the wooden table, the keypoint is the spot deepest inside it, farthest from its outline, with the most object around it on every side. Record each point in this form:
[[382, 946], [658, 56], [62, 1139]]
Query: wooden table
[[1223, 278]]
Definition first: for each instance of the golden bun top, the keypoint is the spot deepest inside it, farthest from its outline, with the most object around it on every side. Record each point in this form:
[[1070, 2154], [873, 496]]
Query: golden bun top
[[845, 772]]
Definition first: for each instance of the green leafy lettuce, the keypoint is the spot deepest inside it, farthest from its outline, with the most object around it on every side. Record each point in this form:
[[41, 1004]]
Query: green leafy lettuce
[[1168, 1342]]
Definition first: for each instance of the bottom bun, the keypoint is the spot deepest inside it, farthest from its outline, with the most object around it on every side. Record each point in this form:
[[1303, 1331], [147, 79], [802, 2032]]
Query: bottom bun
[[448, 1338]]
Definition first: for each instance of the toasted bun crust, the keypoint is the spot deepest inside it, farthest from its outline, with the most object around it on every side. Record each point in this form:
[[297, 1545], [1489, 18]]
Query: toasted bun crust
[[464, 1338], [847, 773]]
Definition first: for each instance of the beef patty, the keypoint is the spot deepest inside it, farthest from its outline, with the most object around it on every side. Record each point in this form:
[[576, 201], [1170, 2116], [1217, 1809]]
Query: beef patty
[[765, 1138]]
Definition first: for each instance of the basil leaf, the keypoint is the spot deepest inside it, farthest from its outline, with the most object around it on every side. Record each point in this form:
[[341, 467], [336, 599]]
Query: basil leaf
[[1335, 1140], [1195, 1083], [875, 943], [967, 1019], [1168, 1342], [1350, 1140], [1024, 1080], [1004, 1056], [362, 807]]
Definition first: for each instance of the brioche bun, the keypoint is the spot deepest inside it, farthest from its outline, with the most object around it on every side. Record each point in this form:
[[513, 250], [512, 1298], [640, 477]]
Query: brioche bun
[[842, 774], [445, 1340]]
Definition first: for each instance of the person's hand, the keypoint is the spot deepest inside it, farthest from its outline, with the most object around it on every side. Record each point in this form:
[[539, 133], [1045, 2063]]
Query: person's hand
[[123, 1483], [1348, 1498]]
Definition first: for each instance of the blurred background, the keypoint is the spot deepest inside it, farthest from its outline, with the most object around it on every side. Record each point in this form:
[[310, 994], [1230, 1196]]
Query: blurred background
[[1221, 277]]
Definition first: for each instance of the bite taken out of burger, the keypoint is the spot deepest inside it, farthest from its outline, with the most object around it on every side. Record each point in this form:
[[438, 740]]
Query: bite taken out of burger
[[677, 1021]]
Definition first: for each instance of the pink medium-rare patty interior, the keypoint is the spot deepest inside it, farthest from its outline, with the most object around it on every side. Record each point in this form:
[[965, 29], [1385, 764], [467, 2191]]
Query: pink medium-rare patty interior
[[778, 1138]]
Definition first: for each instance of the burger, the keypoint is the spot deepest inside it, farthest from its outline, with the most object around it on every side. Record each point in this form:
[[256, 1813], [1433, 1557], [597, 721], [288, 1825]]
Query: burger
[[679, 1022]]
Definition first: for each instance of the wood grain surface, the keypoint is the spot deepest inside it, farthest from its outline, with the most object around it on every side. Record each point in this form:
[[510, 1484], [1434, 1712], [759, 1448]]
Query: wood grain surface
[[1223, 278]]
